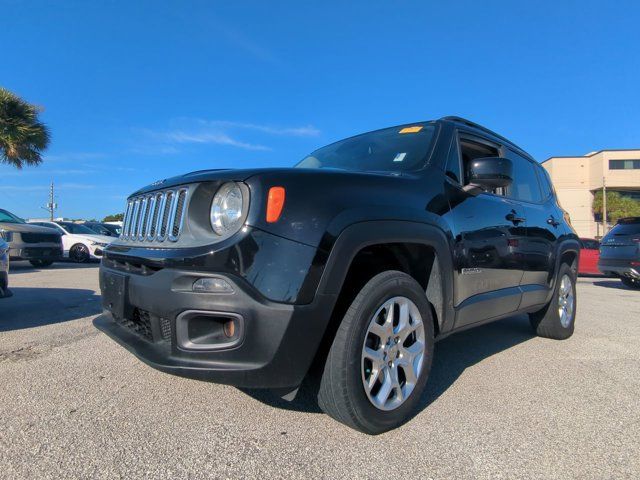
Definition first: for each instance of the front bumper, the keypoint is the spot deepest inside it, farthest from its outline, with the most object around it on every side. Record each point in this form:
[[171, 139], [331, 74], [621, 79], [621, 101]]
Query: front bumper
[[277, 346], [622, 267], [35, 253]]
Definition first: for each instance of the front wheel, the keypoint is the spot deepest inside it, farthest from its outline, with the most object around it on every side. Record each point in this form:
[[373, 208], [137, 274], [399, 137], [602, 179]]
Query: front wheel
[[557, 319], [631, 282], [79, 253], [380, 359]]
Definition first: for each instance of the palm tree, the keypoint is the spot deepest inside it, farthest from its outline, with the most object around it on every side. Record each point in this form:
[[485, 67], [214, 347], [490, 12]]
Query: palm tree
[[22, 136]]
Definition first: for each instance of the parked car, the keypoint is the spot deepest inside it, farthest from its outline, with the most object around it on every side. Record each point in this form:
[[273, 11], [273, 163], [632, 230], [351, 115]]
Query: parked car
[[40, 246], [80, 243], [4, 269], [589, 255], [106, 229], [359, 258], [620, 252]]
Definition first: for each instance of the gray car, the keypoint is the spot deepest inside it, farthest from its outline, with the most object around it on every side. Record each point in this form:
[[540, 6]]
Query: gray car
[[41, 246], [620, 252], [4, 269]]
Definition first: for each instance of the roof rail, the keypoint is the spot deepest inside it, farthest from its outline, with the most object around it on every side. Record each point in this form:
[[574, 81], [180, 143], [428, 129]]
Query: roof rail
[[469, 123]]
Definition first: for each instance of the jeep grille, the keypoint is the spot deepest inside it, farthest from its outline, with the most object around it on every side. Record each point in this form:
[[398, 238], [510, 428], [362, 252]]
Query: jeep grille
[[155, 217]]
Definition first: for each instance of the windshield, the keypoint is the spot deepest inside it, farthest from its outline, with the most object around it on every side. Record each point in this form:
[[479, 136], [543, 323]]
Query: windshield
[[9, 217], [397, 149], [76, 228]]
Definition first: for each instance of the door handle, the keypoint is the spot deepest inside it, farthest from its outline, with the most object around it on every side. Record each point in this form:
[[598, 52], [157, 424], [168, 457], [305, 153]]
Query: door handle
[[513, 217], [552, 221]]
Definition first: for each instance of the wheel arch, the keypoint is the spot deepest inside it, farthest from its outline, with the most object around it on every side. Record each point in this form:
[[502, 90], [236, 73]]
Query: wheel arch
[[419, 249]]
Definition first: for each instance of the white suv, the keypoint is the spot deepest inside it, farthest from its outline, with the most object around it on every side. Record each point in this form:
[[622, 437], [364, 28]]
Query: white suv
[[80, 243]]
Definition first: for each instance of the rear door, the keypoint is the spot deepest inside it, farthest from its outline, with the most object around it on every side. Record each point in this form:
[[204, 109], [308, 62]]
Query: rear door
[[487, 231], [543, 228]]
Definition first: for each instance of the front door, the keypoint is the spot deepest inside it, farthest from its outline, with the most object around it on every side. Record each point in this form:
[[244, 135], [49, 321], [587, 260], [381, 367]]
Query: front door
[[488, 232]]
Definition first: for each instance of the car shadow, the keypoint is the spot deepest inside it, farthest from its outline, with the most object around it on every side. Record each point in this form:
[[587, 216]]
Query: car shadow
[[35, 307], [612, 284], [453, 355], [19, 266]]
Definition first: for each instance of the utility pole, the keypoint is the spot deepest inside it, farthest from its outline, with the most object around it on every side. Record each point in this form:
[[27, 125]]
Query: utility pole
[[604, 206], [51, 206]]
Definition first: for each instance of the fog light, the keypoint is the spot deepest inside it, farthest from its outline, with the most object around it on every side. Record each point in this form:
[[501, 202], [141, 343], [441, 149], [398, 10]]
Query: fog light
[[230, 328], [212, 285]]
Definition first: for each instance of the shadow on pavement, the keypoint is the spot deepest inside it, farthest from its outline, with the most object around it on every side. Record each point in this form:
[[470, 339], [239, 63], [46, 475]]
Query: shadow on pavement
[[35, 307], [18, 267], [453, 356], [612, 284]]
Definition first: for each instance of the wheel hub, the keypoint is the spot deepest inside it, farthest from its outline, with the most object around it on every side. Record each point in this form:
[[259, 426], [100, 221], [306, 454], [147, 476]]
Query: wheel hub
[[393, 353]]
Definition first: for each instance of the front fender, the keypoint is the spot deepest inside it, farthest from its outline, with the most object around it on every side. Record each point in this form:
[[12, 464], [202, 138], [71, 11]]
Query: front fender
[[360, 235]]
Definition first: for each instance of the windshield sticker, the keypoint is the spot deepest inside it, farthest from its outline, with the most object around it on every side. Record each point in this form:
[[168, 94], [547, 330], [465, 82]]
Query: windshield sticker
[[411, 129], [400, 157]]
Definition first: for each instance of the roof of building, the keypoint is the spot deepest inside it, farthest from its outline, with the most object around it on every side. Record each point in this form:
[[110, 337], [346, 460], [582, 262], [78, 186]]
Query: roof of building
[[591, 154]]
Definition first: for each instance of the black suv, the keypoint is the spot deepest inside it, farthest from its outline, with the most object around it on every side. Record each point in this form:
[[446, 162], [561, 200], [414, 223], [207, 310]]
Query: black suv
[[620, 252], [358, 258]]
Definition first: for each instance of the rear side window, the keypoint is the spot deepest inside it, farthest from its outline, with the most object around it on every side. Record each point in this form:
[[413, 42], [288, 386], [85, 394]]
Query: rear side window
[[545, 183], [631, 228], [525, 184]]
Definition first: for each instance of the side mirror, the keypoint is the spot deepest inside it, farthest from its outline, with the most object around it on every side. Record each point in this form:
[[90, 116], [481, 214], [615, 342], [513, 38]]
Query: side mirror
[[488, 173]]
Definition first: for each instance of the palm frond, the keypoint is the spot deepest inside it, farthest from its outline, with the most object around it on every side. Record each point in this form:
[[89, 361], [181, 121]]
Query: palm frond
[[23, 137]]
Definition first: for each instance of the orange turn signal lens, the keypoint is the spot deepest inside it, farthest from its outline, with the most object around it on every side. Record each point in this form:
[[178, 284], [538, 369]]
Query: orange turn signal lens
[[275, 204]]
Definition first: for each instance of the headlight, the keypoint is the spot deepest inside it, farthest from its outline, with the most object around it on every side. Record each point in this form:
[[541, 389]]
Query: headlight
[[6, 235], [227, 209], [98, 244]]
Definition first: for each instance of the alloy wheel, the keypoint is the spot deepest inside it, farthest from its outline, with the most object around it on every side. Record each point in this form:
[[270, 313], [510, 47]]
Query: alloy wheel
[[393, 353], [566, 301]]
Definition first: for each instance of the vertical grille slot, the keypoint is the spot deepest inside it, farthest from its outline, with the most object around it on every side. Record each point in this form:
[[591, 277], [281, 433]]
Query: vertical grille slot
[[145, 218], [134, 218], [176, 224], [127, 220], [166, 215]]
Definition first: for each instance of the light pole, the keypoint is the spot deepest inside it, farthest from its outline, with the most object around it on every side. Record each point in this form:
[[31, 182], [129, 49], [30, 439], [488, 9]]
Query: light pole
[[604, 206], [51, 206]]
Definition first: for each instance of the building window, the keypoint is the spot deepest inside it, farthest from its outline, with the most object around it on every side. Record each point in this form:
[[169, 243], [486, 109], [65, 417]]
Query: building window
[[624, 164]]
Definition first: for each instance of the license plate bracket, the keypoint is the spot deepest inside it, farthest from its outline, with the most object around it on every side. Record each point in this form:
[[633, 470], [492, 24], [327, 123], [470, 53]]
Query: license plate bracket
[[114, 293]]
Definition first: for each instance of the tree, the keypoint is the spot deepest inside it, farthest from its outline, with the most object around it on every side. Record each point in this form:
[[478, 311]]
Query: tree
[[23, 137], [118, 217], [618, 206]]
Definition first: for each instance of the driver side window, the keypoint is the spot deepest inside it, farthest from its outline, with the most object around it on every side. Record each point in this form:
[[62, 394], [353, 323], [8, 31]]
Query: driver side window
[[470, 149]]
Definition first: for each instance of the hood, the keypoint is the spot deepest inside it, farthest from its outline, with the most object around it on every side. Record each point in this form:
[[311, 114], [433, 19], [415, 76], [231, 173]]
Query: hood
[[26, 227], [238, 175], [241, 175], [95, 238]]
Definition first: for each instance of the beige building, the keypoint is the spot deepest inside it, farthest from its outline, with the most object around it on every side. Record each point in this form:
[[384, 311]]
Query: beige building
[[576, 179]]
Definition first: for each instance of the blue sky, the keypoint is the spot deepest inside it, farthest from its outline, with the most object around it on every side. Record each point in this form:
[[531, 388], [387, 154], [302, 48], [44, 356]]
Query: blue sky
[[138, 91]]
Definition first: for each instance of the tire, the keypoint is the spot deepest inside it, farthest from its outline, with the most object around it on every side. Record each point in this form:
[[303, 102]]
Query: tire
[[79, 253], [343, 394], [631, 282], [549, 322], [41, 263]]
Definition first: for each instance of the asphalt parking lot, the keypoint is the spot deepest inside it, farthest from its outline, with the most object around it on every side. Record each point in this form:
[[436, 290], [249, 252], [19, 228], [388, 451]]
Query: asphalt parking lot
[[500, 402]]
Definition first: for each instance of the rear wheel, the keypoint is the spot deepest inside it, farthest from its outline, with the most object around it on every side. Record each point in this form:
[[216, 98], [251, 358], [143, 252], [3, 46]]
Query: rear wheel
[[41, 263], [79, 253], [557, 319], [381, 356], [631, 282]]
